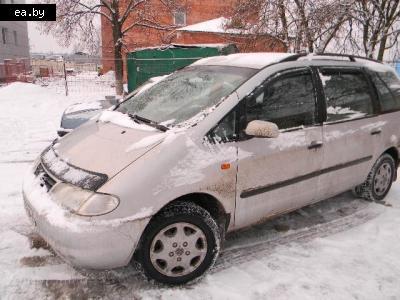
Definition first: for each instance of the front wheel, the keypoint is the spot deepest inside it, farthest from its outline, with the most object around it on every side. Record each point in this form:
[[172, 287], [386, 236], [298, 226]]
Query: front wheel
[[379, 180], [180, 244]]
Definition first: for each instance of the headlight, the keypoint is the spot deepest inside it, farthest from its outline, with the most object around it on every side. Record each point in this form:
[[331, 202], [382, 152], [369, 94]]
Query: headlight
[[83, 202], [98, 204]]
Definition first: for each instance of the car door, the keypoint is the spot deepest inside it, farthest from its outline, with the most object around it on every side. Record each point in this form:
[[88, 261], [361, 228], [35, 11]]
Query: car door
[[387, 84], [279, 174], [351, 132]]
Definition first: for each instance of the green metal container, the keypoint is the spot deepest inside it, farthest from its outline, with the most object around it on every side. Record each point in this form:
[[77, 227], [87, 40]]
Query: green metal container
[[157, 61]]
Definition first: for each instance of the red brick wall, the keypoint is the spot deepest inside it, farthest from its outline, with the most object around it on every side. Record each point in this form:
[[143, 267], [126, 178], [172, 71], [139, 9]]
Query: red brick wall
[[196, 11]]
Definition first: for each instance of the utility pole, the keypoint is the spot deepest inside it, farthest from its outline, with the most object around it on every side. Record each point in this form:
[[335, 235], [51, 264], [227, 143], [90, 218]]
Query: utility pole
[[65, 77]]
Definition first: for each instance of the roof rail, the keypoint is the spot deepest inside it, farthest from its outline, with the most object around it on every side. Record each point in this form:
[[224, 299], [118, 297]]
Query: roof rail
[[352, 58], [294, 57]]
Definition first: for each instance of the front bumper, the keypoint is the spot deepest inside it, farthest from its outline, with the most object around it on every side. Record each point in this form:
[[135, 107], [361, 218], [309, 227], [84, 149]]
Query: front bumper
[[84, 242]]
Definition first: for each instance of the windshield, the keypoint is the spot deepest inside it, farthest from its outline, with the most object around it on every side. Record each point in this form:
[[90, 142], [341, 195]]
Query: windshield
[[184, 94]]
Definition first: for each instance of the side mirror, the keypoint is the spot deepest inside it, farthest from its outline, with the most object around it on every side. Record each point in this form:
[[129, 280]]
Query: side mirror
[[264, 129]]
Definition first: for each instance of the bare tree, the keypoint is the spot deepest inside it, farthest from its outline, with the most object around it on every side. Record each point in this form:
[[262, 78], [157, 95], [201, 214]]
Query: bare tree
[[377, 25], [76, 20], [301, 24]]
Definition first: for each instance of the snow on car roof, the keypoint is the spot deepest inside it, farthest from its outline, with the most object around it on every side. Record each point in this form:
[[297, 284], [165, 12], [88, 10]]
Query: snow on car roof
[[248, 60]]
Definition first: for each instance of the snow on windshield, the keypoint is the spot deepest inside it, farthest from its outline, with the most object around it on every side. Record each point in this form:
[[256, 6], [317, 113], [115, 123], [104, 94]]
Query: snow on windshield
[[186, 93]]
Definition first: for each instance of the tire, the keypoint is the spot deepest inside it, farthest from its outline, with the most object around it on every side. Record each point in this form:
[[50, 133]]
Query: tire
[[180, 244], [379, 180]]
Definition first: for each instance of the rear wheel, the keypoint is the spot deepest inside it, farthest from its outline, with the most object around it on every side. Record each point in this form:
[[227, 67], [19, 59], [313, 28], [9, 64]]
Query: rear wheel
[[180, 244], [379, 180]]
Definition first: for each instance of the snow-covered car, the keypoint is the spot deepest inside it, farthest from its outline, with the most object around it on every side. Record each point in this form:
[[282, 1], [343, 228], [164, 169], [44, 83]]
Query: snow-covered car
[[217, 146], [78, 113]]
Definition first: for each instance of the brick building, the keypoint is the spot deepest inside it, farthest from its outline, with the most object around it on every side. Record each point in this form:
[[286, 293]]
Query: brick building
[[217, 31], [192, 14]]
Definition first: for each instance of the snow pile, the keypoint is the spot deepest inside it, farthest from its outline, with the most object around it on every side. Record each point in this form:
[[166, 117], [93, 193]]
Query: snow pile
[[122, 120], [9, 91]]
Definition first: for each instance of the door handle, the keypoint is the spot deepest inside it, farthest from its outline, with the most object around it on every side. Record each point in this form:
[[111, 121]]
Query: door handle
[[315, 145], [376, 131]]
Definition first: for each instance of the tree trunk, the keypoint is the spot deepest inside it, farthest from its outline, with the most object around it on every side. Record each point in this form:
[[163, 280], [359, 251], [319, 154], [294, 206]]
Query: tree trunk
[[382, 46], [119, 64]]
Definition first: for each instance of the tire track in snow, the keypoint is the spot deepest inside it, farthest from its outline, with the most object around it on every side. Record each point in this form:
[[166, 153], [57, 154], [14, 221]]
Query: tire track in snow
[[251, 251], [345, 216]]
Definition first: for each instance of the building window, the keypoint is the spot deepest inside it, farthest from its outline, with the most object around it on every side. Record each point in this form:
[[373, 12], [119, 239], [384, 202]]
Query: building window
[[180, 18], [4, 35], [15, 38]]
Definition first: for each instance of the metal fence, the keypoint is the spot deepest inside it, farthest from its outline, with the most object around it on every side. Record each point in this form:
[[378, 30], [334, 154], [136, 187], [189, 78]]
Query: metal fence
[[82, 76]]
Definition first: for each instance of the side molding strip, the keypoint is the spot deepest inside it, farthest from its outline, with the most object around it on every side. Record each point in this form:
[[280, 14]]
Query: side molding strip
[[278, 185]]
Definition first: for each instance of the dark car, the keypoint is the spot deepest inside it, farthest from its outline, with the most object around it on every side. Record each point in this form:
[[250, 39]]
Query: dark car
[[78, 113]]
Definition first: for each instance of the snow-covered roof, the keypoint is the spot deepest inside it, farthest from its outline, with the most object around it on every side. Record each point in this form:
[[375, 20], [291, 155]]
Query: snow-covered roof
[[249, 60], [217, 25], [175, 45]]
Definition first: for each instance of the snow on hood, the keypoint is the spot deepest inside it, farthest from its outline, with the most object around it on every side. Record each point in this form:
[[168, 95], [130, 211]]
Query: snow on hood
[[123, 120], [101, 147]]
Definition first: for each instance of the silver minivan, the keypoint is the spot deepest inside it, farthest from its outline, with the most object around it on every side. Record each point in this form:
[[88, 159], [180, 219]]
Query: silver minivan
[[217, 146]]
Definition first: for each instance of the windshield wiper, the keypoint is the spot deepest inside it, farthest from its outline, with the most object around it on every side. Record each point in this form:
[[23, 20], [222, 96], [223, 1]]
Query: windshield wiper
[[148, 122]]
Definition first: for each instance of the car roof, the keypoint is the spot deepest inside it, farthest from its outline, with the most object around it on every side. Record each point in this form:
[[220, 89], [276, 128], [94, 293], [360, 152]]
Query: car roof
[[247, 60], [264, 59]]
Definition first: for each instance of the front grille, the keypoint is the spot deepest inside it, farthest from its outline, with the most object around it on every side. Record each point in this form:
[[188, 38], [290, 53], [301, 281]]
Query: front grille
[[68, 173], [45, 179]]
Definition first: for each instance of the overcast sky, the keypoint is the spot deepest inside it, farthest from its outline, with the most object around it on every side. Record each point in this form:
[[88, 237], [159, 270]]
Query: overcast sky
[[44, 43]]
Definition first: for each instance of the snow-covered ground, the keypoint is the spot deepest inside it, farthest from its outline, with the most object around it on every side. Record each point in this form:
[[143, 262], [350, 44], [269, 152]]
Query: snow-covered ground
[[342, 248]]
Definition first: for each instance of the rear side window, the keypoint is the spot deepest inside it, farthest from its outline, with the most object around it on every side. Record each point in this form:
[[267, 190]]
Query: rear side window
[[347, 94], [388, 86], [288, 101]]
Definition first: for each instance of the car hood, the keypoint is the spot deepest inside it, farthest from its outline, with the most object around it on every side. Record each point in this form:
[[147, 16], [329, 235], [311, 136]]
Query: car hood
[[105, 147]]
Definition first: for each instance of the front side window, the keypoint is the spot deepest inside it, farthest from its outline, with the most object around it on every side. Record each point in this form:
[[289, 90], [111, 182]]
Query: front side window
[[347, 94], [225, 131], [288, 101], [186, 94]]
